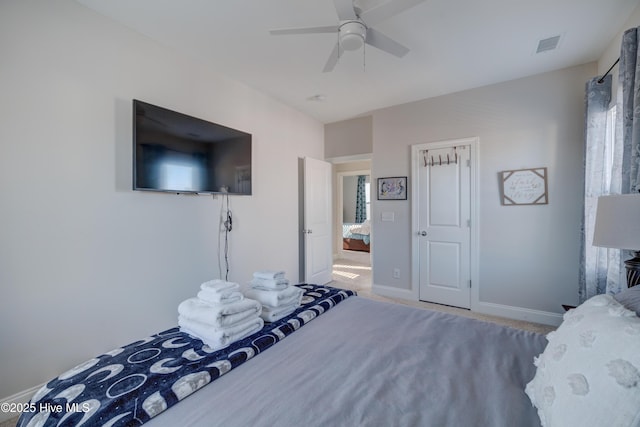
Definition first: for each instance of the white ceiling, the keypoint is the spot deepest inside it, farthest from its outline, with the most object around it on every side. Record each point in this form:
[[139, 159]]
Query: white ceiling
[[455, 45]]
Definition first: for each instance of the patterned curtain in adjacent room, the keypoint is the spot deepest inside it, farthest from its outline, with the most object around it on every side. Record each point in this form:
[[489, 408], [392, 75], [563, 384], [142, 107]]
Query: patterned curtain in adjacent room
[[361, 200]]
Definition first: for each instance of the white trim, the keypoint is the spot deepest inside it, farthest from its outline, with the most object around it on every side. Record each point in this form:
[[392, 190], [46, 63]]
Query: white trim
[[349, 159], [393, 292], [21, 397], [472, 142], [506, 311], [519, 313]]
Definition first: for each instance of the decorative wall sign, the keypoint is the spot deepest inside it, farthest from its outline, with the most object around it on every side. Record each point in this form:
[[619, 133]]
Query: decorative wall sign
[[393, 188], [524, 187]]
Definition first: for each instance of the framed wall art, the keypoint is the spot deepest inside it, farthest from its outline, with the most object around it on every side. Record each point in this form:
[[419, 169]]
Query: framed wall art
[[392, 188], [524, 187]]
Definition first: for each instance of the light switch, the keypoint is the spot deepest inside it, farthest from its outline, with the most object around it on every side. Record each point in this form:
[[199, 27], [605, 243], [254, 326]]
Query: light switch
[[387, 216]]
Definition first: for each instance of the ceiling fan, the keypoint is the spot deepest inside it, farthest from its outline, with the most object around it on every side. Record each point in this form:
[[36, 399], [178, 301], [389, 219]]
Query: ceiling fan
[[354, 28]]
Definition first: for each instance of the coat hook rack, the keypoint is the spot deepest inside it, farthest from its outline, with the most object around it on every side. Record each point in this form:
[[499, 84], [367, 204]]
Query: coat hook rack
[[449, 158]]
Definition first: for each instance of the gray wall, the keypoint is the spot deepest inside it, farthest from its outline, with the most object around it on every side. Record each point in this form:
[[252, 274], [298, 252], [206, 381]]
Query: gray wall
[[528, 254], [348, 138], [349, 187], [87, 264]]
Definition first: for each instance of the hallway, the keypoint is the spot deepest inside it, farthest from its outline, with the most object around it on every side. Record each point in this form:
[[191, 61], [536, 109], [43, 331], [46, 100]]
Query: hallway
[[353, 275]]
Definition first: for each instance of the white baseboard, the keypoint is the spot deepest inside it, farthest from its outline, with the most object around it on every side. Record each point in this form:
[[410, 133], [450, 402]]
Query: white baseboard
[[391, 292], [510, 312], [21, 397], [519, 313]]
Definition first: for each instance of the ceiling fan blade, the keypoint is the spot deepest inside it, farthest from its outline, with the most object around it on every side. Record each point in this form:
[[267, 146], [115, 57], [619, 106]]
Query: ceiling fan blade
[[382, 42], [333, 59], [386, 10], [345, 9], [305, 30]]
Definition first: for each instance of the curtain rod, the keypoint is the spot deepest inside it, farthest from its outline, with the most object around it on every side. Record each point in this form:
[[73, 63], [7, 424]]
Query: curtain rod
[[609, 70]]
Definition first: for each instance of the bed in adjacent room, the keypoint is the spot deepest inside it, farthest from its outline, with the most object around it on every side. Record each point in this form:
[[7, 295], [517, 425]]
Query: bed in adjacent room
[[343, 360], [356, 236]]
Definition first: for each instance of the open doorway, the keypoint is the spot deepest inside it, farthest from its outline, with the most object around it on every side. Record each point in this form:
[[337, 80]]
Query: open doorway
[[352, 259], [356, 214]]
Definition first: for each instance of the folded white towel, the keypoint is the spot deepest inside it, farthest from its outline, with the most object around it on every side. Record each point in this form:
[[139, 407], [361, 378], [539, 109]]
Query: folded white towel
[[271, 314], [218, 338], [219, 291], [219, 315], [273, 298], [217, 285], [269, 274], [273, 284], [225, 297]]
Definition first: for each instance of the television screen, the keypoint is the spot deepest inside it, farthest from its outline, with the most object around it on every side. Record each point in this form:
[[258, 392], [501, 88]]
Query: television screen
[[177, 153]]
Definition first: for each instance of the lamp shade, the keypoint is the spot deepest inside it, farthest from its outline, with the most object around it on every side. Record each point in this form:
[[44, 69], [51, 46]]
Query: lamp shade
[[618, 222]]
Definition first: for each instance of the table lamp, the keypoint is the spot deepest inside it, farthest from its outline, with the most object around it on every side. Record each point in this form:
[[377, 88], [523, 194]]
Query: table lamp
[[618, 226]]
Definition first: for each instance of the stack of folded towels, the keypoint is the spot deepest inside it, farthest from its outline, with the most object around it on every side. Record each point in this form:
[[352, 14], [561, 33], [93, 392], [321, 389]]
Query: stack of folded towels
[[220, 315], [273, 291]]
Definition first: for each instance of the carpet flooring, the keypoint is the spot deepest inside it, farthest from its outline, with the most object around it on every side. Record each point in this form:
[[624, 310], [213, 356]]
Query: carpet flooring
[[354, 275]]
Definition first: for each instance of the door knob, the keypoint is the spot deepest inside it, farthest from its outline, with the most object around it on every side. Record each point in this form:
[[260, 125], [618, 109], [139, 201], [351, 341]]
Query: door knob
[[423, 233]]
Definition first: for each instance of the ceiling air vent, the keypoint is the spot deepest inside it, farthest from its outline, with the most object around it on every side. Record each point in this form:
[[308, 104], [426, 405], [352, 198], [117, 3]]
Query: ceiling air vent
[[548, 44]]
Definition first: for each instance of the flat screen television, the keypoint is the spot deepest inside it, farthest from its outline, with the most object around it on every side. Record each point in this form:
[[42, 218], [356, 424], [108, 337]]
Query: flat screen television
[[177, 153]]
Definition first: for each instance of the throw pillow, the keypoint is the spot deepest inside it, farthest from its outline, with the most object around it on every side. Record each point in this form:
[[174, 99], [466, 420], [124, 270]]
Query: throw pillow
[[589, 373]]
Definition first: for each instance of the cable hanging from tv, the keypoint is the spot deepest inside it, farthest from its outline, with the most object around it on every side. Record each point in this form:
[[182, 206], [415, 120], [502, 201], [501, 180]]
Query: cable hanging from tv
[[225, 223], [228, 225]]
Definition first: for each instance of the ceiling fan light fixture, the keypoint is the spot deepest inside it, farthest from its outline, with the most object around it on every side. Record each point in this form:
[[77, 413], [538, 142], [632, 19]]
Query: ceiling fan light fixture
[[352, 35], [353, 32]]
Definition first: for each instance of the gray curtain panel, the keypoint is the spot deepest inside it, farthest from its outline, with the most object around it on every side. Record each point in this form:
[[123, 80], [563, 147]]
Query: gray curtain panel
[[599, 267], [602, 269], [629, 83]]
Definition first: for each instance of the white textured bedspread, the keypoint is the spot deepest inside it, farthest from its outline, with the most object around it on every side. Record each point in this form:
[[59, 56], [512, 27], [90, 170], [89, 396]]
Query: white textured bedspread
[[368, 363]]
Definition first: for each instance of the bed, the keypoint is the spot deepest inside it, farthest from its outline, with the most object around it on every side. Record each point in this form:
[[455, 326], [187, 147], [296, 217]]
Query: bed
[[343, 360], [356, 236]]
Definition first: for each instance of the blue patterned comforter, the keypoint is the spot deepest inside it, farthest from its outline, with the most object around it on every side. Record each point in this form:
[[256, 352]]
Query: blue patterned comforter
[[130, 385]]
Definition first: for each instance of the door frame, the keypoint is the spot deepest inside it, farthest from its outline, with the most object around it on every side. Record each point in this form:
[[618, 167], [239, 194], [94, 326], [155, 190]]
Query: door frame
[[473, 143]]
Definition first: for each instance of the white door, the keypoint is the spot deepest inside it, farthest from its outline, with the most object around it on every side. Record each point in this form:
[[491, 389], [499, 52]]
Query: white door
[[317, 222], [444, 224]]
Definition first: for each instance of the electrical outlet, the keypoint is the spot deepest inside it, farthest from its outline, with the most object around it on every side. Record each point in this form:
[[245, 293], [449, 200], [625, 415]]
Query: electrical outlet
[[396, 273]]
